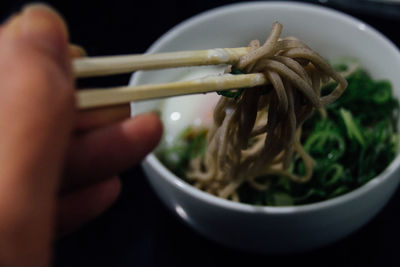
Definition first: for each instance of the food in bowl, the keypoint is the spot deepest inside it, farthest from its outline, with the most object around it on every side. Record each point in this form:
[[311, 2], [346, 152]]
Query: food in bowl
[[264, 228], [253, 152], [349, 142]]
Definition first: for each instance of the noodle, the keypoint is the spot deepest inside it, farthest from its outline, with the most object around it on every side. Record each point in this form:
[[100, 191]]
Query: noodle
[[258, 134]]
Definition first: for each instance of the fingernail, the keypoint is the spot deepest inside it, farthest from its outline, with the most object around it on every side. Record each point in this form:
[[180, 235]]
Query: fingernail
[[37, 10], [40, 26], [76, 51], [44, 26]]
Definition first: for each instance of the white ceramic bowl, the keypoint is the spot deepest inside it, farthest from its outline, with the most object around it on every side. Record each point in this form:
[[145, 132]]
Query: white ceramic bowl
[[274, 229]]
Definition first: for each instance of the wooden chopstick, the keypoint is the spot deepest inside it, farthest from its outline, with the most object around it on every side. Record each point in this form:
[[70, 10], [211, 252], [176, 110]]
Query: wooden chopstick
[[92, 98], [108, 65]]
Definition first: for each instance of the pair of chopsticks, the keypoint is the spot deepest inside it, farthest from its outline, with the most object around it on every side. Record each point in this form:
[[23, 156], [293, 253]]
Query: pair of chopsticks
[[108, 65]]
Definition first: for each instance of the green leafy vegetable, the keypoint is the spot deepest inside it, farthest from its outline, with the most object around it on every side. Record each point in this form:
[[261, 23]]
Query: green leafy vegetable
[[352, 129], [355, 142], [340, 67], [232, 93], [359, 133], [190, 144]]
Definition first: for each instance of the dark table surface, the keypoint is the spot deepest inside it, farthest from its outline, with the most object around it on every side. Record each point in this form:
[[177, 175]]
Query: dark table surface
[[138, 230]]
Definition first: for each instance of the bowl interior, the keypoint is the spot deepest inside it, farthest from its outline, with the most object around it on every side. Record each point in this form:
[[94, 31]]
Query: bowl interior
[[334, 35]]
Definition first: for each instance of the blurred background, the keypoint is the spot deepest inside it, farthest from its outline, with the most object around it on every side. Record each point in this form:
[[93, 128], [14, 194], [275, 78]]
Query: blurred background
[[138, 230]]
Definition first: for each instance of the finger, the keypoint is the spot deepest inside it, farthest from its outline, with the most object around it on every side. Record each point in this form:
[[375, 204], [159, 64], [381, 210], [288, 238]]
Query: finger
[[112, 149], [80, 207], [95, 118], [76, 51], [49, 38], [36, 97]]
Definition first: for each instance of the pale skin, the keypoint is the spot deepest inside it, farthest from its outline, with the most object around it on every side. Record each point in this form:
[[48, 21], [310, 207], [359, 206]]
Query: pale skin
[[58, 166]]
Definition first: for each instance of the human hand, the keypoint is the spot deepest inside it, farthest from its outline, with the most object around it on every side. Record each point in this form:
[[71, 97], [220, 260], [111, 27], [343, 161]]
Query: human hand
[[55, 162]]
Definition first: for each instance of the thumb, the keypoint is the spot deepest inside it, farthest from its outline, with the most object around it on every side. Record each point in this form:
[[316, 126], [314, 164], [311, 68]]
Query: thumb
[[41, 28], [36, 118]]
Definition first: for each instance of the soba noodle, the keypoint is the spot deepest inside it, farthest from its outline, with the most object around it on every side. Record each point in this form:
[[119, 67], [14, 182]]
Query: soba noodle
[[258, 134]]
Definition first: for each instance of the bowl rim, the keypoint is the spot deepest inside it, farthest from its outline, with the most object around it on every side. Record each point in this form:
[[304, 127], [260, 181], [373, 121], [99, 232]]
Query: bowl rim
[[165, 173]]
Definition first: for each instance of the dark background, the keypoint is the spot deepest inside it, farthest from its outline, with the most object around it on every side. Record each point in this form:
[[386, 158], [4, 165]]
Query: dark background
[[138, 230]]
